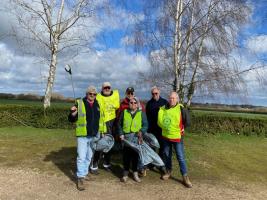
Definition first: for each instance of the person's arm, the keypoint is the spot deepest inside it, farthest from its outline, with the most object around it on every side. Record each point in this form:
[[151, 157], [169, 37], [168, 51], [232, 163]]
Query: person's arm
[[144, 123], [120, 124], [73, 115], [148, 109]]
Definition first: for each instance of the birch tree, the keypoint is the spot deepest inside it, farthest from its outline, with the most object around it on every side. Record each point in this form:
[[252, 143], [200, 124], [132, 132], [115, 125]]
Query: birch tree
[[54, 26], [190, 45]]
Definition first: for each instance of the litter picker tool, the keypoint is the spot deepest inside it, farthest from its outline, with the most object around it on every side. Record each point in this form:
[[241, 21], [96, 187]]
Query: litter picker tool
[[68, 69]]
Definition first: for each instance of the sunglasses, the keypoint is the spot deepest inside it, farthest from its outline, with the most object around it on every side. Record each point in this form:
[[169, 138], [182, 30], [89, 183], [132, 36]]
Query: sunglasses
[[106, 88], [92, 94], [130, 93], [133, 102], [155, 93]]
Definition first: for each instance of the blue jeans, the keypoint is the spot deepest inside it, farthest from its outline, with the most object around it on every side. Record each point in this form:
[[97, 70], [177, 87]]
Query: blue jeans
[[84, 157], [167, 155]]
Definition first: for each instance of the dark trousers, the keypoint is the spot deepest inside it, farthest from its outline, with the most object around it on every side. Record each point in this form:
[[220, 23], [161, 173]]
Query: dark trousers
[[130, 157], [106, 156], [97, 157]]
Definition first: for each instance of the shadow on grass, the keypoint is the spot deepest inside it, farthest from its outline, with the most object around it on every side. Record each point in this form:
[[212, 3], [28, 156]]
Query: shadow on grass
[[65, 160], [116, 164]]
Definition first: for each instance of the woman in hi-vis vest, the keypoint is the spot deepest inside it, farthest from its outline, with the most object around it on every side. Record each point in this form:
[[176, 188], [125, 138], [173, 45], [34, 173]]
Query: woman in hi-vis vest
[[132, 121]]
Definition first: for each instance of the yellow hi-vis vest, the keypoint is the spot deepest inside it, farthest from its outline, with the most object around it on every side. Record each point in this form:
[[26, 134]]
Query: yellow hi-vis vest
[[132, 125], [169, 122], [81, 123], [108, 106]]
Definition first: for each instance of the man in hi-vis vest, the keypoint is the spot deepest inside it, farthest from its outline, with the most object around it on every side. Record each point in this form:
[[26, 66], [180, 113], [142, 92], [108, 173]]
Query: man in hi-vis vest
[[109, 102], [86, 114], [170, 121]]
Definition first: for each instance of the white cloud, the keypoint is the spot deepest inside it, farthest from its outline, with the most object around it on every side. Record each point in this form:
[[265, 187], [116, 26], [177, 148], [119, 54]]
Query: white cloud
[[257, 44], [23, 74]]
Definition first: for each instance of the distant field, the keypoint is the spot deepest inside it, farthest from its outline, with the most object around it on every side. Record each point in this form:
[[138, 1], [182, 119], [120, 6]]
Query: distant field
[[230, 109], [232, 113]]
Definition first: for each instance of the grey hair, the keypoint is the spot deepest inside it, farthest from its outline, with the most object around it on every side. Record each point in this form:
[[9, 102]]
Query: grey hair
[[91, 89], [154, 88], [138, 103], [173, 92]]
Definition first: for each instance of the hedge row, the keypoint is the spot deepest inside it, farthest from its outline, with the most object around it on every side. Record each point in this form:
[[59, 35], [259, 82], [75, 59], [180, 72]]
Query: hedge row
[[17, 115], [216, 123], [14, 115]]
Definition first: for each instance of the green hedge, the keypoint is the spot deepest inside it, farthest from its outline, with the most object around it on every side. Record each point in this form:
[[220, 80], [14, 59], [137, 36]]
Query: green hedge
[[56, 117], [216, 122], [201, 122]]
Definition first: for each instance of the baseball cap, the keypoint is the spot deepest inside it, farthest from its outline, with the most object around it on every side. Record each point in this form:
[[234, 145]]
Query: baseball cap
[[130, 89]]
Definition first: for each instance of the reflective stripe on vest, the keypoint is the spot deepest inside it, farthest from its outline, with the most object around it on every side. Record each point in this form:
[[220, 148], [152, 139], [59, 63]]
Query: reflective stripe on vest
[[81, 123], [102, 123], [108, 106], [132, 125], [169, 122]]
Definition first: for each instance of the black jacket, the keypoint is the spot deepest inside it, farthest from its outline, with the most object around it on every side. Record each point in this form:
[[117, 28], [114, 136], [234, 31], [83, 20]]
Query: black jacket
[[152, 109], [92, 117]]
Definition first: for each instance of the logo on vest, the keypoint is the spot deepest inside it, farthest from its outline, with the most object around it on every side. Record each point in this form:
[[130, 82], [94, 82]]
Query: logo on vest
[[109, 108], [166, 122]]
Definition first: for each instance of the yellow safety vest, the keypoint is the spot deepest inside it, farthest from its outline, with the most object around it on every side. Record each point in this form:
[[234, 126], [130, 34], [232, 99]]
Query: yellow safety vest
[[108, 106], [132, 125], [169, 122], [81, 123]]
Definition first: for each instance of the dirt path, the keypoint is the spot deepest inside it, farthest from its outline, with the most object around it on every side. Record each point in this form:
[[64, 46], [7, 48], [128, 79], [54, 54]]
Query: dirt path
[[29, 185]]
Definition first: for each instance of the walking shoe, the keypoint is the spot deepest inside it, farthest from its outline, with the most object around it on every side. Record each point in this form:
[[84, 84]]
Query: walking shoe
[[80, 184], [166, 175], [124, 179], [187, 182], [143, 172], [136, 177]]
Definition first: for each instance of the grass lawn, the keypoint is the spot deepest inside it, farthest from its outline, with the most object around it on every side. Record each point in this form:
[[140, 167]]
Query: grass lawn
[[216, 158], [232, 114]]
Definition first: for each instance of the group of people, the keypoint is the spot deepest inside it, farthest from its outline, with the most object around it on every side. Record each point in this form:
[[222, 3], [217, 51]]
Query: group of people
[[100, 114]]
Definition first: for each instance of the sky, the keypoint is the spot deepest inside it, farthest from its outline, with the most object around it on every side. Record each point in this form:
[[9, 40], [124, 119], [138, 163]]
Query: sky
[[110, 59]]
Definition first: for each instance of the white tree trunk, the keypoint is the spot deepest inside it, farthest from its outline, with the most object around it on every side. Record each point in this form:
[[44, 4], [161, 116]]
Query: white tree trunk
[[177, 43], [51, 78]]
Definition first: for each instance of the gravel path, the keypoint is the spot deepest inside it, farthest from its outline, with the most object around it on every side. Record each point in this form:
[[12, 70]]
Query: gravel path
[[29, 185]]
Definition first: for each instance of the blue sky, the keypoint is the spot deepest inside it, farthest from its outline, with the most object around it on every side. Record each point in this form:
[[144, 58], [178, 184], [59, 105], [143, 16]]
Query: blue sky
[[113, 61]]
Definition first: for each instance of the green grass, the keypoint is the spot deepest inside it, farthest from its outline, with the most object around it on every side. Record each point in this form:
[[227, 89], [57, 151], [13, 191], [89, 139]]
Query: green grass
[[211, 158], [227, 158], [231, 114]]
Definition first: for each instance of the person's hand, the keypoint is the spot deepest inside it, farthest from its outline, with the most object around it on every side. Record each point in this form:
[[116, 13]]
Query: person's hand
[[73, 110], [122, 137], [140, 137]]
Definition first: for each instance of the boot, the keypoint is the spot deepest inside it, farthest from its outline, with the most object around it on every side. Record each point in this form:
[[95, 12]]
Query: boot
[[187, 182], [143, 172], [124, 179], [136, 177], [80, 184], [125, 176], [166, 175]]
